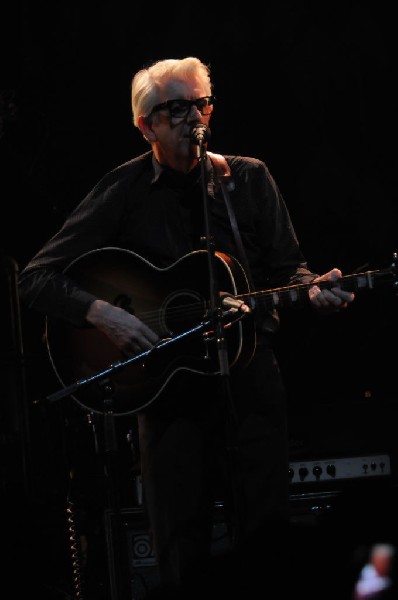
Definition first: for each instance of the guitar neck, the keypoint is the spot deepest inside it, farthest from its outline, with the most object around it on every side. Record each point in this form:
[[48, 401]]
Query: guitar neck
[[297, 295]]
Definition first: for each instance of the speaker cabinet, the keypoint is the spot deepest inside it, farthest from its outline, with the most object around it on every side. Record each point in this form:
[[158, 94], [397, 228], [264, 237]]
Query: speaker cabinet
[[136, 542]]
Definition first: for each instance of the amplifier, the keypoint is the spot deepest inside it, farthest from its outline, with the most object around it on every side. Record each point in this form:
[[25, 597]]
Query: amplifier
[[349, 491], [334, 469]]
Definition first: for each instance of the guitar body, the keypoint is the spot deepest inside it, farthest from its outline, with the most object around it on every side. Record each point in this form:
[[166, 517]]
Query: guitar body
[[170, 301]]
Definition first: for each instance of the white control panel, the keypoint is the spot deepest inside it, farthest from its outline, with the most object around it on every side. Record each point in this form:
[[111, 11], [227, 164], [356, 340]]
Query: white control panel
[[352, 467]]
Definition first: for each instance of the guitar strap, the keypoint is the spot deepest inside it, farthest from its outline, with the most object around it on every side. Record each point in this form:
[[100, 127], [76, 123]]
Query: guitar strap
[[224, 180]]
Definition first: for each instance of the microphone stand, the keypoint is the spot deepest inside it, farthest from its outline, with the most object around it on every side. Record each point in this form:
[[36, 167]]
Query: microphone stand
[[222, 349]]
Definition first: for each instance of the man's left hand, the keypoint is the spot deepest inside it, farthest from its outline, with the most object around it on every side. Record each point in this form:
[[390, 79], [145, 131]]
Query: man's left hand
[[331, 300]]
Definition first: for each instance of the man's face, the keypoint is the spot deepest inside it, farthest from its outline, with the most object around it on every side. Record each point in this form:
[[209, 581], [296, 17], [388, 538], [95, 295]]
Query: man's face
[[172, 133]]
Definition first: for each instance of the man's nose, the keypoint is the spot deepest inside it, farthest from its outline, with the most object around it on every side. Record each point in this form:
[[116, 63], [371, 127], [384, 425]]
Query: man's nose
[[194, 113]]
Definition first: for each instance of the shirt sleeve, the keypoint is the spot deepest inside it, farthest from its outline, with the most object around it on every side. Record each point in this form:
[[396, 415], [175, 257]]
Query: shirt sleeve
[[268, 233], [43, 284]]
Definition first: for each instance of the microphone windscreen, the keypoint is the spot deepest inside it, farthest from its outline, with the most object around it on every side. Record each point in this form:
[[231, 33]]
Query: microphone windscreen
[[200, 133]]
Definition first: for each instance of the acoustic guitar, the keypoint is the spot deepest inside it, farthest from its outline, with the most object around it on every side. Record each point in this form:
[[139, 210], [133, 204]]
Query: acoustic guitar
[[175, 303]]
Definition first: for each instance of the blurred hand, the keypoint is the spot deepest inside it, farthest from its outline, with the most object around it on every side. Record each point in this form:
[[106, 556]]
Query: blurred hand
[[130, 335]]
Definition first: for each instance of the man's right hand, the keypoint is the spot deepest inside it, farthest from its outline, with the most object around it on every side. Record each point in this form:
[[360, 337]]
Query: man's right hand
[[125, 330]]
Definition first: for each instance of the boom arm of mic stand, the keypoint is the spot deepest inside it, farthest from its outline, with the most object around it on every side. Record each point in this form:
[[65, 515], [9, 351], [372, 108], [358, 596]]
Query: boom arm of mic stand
[[114, 368]]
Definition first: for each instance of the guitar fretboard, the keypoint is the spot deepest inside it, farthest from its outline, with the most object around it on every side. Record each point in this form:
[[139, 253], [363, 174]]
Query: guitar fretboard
[[297, 295]]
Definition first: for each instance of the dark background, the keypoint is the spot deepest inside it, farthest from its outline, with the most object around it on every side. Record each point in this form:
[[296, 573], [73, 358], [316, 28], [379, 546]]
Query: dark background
[[307, 86]]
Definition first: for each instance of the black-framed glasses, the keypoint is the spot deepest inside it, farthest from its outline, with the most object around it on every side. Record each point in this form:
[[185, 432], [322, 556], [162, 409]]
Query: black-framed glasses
[[180, 107]]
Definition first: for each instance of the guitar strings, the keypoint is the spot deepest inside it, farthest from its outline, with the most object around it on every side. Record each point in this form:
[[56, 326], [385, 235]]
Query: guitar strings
[[271, 298]]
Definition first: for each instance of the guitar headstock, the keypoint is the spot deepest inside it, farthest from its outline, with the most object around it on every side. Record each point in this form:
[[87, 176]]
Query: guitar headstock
[[369, 279]]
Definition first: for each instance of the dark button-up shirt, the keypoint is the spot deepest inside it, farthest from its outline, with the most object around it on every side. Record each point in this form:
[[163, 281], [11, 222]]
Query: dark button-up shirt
[[159, 214]]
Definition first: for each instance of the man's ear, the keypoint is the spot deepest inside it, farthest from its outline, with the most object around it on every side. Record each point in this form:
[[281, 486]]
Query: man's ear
[[145, 126]]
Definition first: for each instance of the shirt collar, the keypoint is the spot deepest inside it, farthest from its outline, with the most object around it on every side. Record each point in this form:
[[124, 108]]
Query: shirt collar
[[158, 169]]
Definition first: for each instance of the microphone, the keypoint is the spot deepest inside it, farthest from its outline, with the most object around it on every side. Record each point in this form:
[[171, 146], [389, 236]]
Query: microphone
[[200, 133]]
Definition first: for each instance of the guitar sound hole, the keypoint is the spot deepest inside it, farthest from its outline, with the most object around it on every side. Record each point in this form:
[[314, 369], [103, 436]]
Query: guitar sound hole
[[182, 311]]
